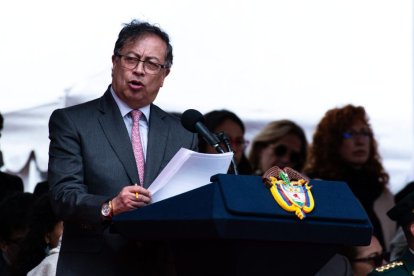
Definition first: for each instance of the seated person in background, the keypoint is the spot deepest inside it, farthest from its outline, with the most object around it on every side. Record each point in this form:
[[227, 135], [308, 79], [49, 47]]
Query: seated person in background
[[399, 242], [403, 213], [365, 258], [39, 249], [281, 143], [228, 122], [344, 149], [8, 182], [41, 188], [14, 214]]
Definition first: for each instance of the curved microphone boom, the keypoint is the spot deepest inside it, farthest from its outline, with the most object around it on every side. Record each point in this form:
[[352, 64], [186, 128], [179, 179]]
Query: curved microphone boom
[[193, 121]]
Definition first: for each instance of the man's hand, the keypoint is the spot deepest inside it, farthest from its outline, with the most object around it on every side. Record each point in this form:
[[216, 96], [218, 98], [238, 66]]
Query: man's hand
[[130, 198]]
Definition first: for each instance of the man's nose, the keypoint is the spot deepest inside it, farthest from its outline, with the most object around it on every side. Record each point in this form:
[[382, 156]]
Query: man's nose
[[140, 67]]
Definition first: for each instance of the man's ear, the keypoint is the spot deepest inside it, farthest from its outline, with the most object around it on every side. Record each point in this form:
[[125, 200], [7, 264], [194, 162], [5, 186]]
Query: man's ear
[[167, 71]]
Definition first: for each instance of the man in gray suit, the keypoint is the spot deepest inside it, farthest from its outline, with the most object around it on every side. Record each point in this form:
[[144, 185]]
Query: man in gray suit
[[93, 172]]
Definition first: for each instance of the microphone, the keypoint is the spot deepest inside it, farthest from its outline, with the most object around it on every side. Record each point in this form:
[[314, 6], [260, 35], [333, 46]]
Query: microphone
[[193, 121], [225, 139]]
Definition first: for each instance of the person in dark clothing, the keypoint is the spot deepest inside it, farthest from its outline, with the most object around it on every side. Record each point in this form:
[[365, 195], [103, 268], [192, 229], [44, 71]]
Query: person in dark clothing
[[45, 230], [14, 214], [9, 183], [403, 214]]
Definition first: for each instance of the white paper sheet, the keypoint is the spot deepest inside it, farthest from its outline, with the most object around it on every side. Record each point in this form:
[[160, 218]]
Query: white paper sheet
[[186, 171]]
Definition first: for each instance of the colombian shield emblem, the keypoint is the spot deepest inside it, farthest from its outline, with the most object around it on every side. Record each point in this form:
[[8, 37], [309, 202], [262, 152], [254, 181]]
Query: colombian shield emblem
[[291, 190]]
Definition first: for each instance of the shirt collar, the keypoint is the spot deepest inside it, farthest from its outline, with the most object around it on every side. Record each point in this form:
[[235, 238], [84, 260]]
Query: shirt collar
[[125, 109]]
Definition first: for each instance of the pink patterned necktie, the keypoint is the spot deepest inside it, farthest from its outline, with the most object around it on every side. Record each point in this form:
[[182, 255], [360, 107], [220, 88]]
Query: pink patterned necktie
[[136, 144]]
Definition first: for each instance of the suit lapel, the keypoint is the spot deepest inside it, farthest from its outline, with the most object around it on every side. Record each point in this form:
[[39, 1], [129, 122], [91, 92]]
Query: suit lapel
[[157, 141], [115, 131]]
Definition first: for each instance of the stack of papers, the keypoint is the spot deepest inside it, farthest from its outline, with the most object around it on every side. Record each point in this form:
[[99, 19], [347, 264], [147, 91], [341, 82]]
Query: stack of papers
[[186, 171]]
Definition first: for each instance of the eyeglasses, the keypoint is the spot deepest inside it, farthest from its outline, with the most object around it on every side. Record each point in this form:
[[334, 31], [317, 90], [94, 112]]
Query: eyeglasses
[[131, 63], [282, 150], [353, 134], [239, 142], [376, 259]]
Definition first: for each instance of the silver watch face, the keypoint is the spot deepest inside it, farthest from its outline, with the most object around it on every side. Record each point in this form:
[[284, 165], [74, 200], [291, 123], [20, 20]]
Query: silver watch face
[[106, 210]]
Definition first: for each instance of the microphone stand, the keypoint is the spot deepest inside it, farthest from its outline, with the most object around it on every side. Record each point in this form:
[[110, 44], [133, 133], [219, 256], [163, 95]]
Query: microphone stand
[[225, 139]]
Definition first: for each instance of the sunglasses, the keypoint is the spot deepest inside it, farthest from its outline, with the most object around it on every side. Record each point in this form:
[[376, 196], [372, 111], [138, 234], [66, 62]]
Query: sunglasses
[[376, 259], [282, 150]]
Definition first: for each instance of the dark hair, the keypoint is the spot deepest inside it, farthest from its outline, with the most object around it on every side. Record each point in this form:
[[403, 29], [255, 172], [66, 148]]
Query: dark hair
[[33, 247], [41, 188], [1, 121], [215, 118], [14, 214], [136, 29], [324, 160]]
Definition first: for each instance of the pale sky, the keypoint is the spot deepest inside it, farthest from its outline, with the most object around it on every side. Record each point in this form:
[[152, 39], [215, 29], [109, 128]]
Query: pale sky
[[264, 60]]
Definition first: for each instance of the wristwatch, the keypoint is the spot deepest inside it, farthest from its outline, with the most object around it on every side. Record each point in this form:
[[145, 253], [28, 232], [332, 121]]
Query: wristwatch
[[106, 210]]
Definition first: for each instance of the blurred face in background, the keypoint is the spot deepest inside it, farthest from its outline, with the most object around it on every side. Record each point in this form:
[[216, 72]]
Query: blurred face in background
[[11, 247], [355, 148], [236, 136], [284, 153], [367, 258]]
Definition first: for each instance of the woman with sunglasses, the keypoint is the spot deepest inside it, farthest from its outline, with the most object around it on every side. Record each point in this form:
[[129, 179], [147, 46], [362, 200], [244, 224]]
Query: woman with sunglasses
[[280, 143], [344, 149]]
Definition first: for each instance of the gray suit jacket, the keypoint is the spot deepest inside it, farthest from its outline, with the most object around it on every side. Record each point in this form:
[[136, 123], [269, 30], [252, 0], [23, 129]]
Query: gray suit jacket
[[90, 161]]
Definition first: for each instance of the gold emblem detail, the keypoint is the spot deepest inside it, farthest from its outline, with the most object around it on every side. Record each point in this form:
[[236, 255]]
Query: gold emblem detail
[[389, 266]]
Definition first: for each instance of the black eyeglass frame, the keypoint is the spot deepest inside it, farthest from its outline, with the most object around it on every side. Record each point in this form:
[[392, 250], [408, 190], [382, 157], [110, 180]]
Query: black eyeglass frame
[[145, 64], [377, 259]]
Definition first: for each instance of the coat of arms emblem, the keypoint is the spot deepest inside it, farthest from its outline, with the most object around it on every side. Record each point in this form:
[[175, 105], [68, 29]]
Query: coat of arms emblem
[[291, 190]]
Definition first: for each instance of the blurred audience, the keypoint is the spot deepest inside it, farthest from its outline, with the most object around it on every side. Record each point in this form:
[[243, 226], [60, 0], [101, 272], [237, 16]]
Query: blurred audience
[[14, 214], [403, 214], [280, 143], [399, 241], [230, 124], [41, 188], [365, 258], [344, 149], [39, 250], [8, 183]]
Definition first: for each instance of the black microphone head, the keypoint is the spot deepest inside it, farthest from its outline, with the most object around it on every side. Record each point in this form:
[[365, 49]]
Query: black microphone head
[[190, 118]]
